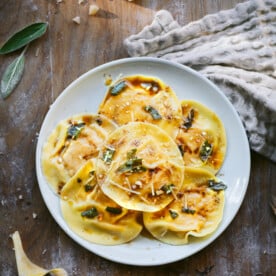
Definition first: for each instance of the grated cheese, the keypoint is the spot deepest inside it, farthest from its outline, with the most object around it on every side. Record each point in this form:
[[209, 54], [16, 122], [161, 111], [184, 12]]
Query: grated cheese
[[123, 188]]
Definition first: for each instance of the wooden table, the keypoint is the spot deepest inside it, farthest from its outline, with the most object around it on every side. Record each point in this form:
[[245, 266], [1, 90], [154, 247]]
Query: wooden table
[[65, 52]]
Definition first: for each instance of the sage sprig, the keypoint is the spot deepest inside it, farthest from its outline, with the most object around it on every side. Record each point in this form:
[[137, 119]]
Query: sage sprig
[[14, 72], [12, 75], [24, 37]]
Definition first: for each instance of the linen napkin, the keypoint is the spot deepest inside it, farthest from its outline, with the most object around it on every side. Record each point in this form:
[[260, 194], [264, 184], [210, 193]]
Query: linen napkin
[[236, 49]]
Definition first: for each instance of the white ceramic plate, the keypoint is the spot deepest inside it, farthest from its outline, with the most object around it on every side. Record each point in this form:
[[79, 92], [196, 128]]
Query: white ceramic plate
[[85, 95]]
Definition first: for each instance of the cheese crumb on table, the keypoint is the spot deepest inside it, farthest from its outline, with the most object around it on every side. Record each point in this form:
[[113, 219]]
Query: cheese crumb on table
[[76, 19], [93, 9]]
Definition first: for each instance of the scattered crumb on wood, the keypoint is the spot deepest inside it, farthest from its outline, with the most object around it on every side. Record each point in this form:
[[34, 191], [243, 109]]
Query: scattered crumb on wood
[[77, 20], [37, 52], [44, 251], [34, 215], [93, 9]]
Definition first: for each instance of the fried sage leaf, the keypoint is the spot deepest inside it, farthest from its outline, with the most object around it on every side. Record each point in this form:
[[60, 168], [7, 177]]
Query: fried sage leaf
[[24, 37], [90, 213], [118, 88], [216, 186], [133, 164], [12, 75], [153, 112], [205, 151], [74, 130]]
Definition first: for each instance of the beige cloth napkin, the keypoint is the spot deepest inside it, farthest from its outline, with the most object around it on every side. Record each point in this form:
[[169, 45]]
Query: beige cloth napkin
[[236, 49]]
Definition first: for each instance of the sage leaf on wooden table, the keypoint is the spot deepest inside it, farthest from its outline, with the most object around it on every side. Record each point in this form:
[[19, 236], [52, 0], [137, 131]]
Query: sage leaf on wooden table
[[24, 37], [14, 71], [12, 75]]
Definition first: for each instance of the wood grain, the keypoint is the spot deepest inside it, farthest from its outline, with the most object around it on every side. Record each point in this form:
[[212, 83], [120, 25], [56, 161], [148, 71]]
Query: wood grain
[[65, 52]]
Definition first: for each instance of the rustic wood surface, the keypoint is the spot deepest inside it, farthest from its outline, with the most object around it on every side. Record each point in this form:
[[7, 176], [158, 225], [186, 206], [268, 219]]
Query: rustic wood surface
[[66, 51]]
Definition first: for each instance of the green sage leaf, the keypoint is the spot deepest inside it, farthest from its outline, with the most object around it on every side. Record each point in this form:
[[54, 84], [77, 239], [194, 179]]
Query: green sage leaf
[[118, 88], [133, 164], [114, 210], [24, 37], [90, 213], [153, 112], [216, 186], [205, 151], [173, 214], [188, 210], [168, 188], [12, 75], [74, 130]]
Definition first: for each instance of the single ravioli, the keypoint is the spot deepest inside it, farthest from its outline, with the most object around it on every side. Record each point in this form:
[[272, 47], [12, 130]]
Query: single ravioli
[[201, 137], [141, 98], [140, 167], [197, 210], [73, 142], [94, 216]]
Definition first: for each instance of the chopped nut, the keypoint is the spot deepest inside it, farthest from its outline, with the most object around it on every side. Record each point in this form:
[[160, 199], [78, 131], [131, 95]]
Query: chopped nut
[[159, 192], [34, 215], [93, 9], [138, 183], [20, 196], [76, 20], [81, 2], [108, 79]]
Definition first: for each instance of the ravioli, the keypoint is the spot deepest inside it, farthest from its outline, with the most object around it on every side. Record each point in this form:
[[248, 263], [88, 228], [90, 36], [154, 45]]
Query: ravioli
[[94, 216], [73, 142], [196, 211], [142, 99], [25, 267], [140, 167], [201, 137]]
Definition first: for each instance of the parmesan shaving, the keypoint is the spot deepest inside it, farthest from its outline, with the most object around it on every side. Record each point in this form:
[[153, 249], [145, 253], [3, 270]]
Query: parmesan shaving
[[123, 188]]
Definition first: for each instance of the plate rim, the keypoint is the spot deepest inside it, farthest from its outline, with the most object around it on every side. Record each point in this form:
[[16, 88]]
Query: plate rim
[[102, 67]]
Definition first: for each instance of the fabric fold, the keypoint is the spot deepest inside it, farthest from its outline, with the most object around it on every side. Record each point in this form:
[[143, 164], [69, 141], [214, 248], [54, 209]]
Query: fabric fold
[[236, 49]]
